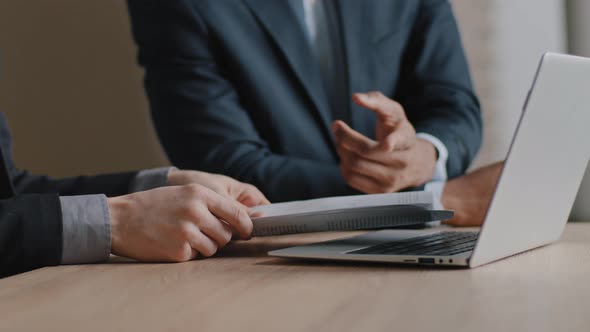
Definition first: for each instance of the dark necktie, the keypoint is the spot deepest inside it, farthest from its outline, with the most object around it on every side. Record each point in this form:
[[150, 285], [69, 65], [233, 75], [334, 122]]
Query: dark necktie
[[327, 46]]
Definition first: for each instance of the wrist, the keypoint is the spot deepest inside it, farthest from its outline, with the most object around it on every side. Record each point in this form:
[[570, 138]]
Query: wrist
[[177, 177], [429, 157], [429, 150], [118, 210]]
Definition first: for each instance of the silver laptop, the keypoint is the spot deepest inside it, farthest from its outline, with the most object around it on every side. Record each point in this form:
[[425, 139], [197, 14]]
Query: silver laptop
[[533, 197]]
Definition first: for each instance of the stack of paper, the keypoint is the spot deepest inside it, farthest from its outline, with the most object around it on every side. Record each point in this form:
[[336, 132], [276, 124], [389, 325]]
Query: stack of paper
[[348, 213]]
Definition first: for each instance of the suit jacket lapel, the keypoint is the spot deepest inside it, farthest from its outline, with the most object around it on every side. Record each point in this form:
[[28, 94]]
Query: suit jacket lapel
[[277, 17]]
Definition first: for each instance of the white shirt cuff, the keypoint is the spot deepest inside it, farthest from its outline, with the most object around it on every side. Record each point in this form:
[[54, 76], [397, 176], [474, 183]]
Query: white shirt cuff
[[440, 171], [436, 187]]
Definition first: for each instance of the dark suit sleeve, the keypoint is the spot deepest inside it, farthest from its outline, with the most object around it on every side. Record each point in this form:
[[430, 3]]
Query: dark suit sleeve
[[198, 115], [30, 233], [109, 184], [436, 88]]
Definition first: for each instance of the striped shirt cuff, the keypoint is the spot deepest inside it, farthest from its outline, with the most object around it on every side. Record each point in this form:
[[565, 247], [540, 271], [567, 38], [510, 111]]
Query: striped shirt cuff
[[86, 229]]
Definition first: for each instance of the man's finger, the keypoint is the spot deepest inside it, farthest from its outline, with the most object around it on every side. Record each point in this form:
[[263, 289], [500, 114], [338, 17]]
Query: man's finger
[[392, 160], [395, 141], [215, 229], [203, 244], [362, 182], [250, 196], [389, 111], [230, 212], [352, 139], [384, 175], [255, 214]]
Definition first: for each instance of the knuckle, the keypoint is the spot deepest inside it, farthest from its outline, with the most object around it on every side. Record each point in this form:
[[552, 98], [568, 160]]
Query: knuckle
[[192, 212], [186, 230], [205, 224], [190, 189], [196, 191]]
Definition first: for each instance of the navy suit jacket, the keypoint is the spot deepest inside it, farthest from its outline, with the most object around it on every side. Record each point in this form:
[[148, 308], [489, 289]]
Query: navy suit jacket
[[234, 87], [30, 210]]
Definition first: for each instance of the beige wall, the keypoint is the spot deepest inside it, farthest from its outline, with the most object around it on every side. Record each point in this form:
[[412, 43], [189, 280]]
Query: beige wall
[[71, 89], [504, 41]]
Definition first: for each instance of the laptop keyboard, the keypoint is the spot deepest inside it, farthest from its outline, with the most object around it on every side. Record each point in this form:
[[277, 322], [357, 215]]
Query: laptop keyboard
[[437, 244]]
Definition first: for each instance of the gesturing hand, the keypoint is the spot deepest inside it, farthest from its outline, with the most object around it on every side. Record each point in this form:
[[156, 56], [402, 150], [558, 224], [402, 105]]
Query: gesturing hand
[[174, 223], [397, 159], [244, 193]]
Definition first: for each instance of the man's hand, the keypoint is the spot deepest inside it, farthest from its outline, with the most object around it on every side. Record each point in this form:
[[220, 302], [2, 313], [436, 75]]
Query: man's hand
[[397, 159], [470, 195], [174, 223], [246, 194]]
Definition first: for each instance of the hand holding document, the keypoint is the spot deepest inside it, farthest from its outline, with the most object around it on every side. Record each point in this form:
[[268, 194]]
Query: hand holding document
[[347, 213]]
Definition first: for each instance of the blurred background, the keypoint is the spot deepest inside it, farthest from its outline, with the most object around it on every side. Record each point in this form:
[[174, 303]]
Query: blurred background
[[73, 94]]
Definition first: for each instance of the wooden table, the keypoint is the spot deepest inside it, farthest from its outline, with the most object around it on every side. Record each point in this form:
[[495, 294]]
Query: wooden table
[[547, 289]]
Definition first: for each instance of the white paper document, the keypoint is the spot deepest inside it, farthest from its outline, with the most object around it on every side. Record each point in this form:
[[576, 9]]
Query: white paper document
[[348, 213]]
